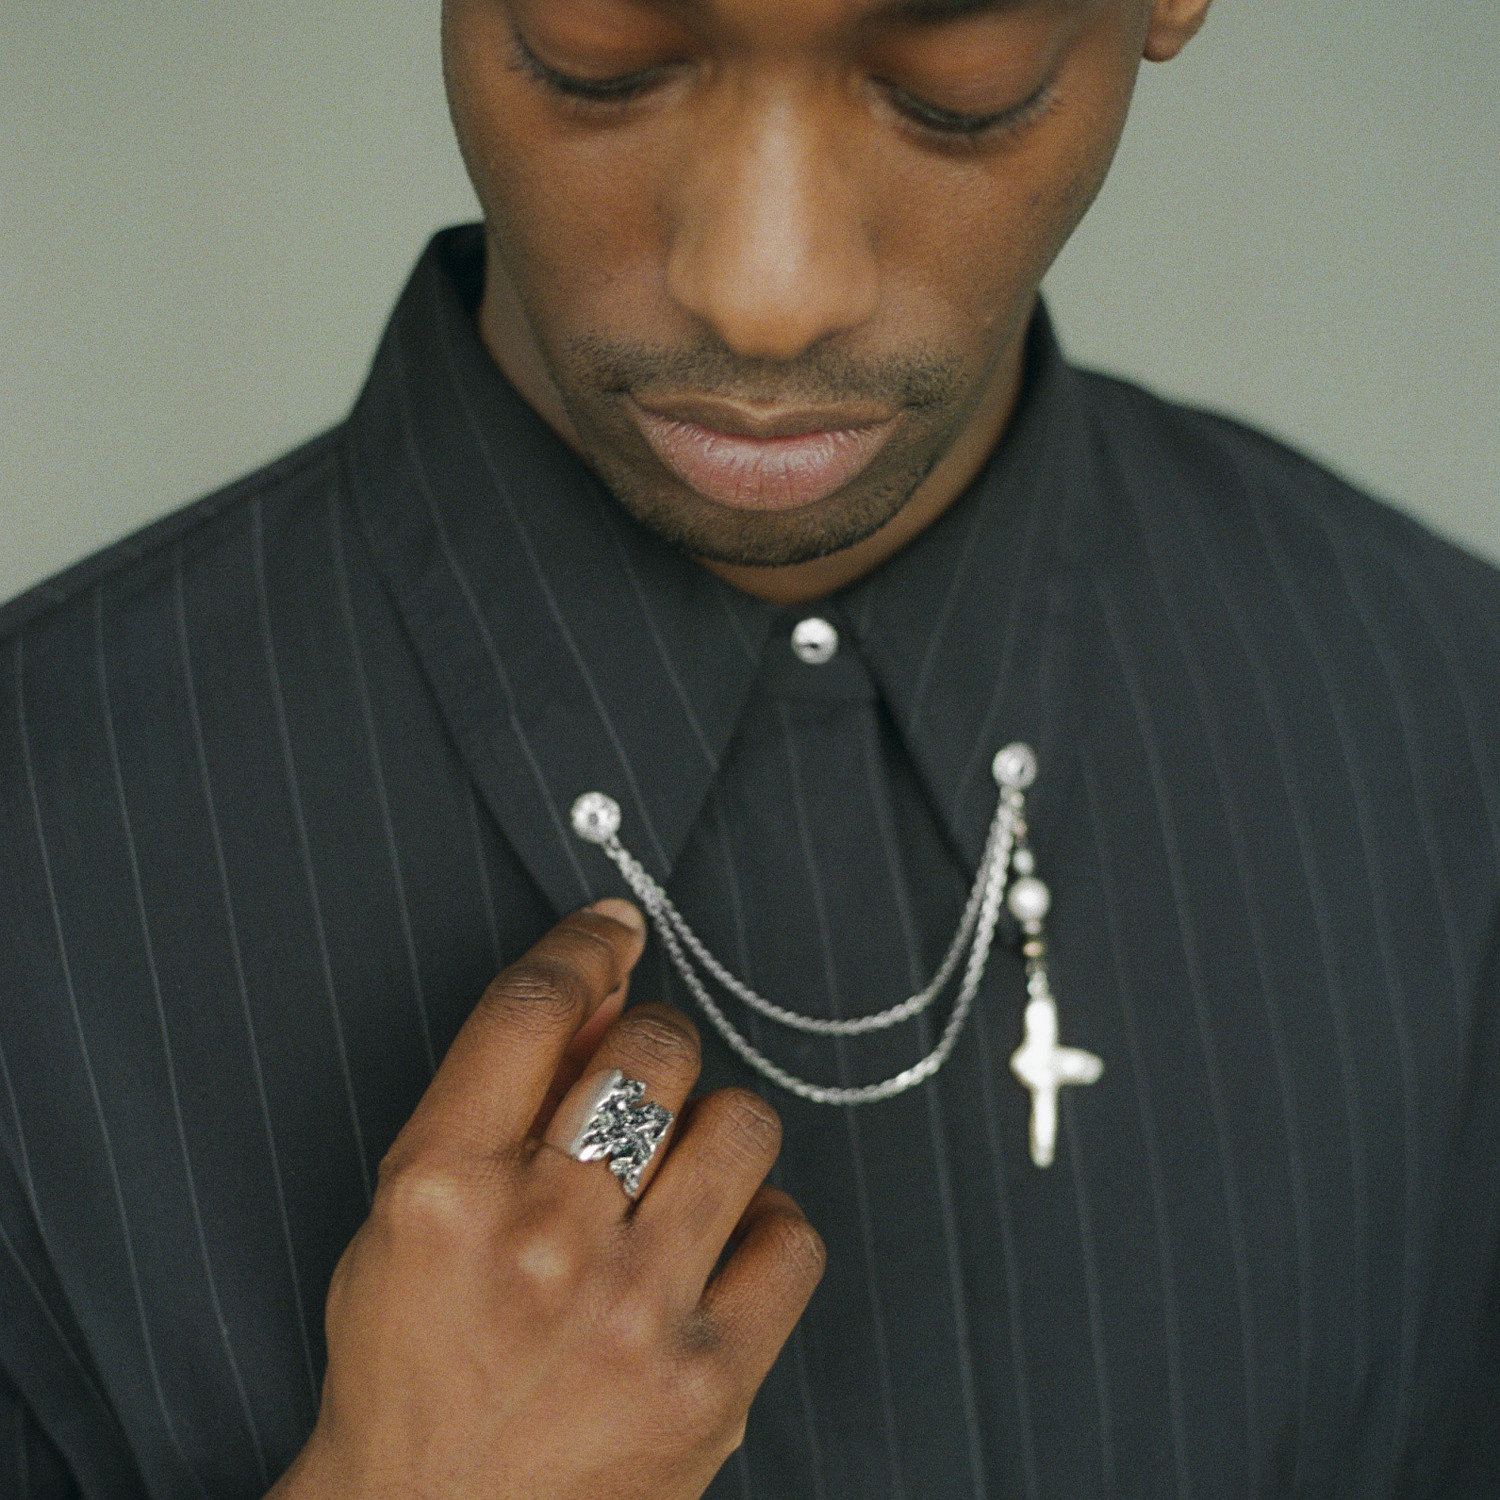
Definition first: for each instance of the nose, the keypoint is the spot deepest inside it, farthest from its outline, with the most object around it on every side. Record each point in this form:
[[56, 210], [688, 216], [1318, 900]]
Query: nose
[[768, 242]]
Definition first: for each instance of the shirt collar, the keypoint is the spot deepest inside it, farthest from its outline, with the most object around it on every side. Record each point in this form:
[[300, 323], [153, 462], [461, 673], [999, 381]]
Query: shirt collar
[[570, 650]]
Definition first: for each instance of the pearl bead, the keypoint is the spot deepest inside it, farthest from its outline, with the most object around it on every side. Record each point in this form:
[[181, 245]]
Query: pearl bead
[[1015, 767], [596, 817], [1022, 862], [1028, 899]]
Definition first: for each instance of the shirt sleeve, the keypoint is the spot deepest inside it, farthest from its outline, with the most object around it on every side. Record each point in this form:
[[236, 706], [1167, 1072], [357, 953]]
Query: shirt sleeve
[[59, 1435], [1470, 1254], [30, 1467], [1477, 1459]]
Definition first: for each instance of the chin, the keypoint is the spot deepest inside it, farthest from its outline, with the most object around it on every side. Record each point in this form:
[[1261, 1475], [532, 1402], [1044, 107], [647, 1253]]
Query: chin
[[764, 539]]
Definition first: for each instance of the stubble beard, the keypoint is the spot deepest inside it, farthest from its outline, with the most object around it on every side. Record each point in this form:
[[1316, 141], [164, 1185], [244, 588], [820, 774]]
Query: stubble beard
[[717, 533], [593, 374]]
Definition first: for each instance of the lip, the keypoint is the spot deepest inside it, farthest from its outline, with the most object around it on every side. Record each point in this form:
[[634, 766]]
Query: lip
[[760, 458]]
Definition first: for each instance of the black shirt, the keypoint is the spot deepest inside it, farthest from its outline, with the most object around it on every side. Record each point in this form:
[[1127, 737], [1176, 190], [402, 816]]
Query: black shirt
[[285, 778]]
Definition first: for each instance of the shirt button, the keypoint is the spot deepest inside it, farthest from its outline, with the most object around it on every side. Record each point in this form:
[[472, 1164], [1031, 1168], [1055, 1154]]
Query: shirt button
[[814, 641]]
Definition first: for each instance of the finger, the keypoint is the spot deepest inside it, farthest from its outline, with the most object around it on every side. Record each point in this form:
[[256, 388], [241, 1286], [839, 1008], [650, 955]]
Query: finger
[[753, 1304], [495, 1076], [652, 1044], [577, 1056], [723, 1149]]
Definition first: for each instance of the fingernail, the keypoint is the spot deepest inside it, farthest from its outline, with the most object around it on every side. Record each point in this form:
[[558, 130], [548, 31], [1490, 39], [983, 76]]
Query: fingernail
[[622, 912]]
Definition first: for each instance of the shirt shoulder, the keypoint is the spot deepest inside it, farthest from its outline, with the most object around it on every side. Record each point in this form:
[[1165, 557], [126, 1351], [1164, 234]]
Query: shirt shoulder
[[309, 468], [1224, 471]]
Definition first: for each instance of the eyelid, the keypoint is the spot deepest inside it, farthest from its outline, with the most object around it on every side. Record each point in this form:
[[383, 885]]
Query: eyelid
[[955, 124], [605, 90]]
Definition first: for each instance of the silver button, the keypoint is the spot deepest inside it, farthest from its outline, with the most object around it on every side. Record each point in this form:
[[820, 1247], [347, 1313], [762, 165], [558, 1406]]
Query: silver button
[[814, 640]]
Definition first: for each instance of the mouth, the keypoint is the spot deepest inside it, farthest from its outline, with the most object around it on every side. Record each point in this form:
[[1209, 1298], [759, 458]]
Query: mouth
[[760, 458]]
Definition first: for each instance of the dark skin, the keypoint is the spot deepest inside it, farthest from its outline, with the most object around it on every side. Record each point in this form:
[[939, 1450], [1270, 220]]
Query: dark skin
[[766, 218], [793, 207]]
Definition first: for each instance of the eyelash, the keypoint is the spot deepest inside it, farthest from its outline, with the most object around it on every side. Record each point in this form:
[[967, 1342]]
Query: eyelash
[[944, 123], [619, 90], [966, 128]]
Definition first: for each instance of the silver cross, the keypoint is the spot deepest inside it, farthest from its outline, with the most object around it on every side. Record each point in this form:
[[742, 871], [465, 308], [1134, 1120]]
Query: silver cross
[[1044, 1068]]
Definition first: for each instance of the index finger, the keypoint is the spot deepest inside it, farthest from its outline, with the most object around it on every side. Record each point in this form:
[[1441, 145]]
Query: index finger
[[495, 1075]]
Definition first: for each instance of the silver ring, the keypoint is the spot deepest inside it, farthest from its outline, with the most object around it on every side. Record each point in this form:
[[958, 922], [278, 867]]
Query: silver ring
[[621, 1130]]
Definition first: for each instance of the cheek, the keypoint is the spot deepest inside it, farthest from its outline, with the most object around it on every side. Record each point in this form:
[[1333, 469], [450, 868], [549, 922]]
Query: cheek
[[967, 241], [571, 211], [579, 238]]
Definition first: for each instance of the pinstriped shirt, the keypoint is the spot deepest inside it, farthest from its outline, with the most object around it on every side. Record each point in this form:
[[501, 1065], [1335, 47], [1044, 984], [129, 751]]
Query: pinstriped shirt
[[285, 778]]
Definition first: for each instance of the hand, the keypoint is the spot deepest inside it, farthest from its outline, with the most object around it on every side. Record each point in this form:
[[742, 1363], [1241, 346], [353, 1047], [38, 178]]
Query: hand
[[507, 1323]]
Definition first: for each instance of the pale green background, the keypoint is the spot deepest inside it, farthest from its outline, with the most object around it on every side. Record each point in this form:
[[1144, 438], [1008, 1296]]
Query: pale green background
[[208, 209]]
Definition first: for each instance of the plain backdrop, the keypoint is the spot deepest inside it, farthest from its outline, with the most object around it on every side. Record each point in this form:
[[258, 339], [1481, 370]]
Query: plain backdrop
[[208, 209]]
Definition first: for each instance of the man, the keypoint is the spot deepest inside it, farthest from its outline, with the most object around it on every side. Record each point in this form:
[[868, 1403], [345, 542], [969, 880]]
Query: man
[[733, 476]]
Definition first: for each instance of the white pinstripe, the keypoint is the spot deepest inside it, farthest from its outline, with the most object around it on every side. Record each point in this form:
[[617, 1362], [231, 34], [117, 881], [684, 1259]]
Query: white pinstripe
[[1165, 1266], [851, 1116], [988, 735], [1192, 961], [1385, 946], [481, 866], [1421, 792], [289, 765], [668, 666], [945, 614], [528, 548], [895, 875], [1271, 1000], [1317, 898], [63, 1341], [1092, 1296], [148, 948], [1480, 751], [232, 930], [117, 1191], [377, 771], [486, 635], [794, 1347], [15, 1114]]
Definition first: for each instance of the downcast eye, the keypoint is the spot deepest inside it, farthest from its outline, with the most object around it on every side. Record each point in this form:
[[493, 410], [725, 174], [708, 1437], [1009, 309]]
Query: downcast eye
[[949, 122], [619, 87]]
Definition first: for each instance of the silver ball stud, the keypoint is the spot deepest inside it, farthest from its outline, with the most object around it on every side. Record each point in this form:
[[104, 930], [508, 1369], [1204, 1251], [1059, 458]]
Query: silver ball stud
[[1015, 767], [596, 817], [1028, 899], [815, 641]]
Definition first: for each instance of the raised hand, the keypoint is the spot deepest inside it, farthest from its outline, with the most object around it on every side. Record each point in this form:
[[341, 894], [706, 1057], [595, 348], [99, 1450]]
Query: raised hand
[[508, 1323]]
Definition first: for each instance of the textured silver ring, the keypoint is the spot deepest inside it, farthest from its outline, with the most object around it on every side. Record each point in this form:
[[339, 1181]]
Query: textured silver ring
[[621, 1130]]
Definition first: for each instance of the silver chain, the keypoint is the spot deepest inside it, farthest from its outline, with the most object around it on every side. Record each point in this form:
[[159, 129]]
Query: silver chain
[[596, 818]]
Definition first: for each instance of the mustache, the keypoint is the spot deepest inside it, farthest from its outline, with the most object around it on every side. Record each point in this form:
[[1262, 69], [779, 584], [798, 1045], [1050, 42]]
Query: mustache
[[819, 376]]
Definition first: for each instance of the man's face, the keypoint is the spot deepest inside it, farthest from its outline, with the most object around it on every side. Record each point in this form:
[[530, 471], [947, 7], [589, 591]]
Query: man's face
[[767, 263]]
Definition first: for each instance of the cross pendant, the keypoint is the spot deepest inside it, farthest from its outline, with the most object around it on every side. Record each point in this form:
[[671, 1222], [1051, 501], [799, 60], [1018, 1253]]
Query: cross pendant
[[1044, 1067]]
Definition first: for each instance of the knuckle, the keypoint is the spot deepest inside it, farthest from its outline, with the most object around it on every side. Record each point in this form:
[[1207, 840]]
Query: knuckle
[[745, 1127], [698, 1381], [542, 990], [425, 1199], [705, 1394], [338, 1290], [661, 1038], [797, 1244], [548, 1261], [636, 1327]]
